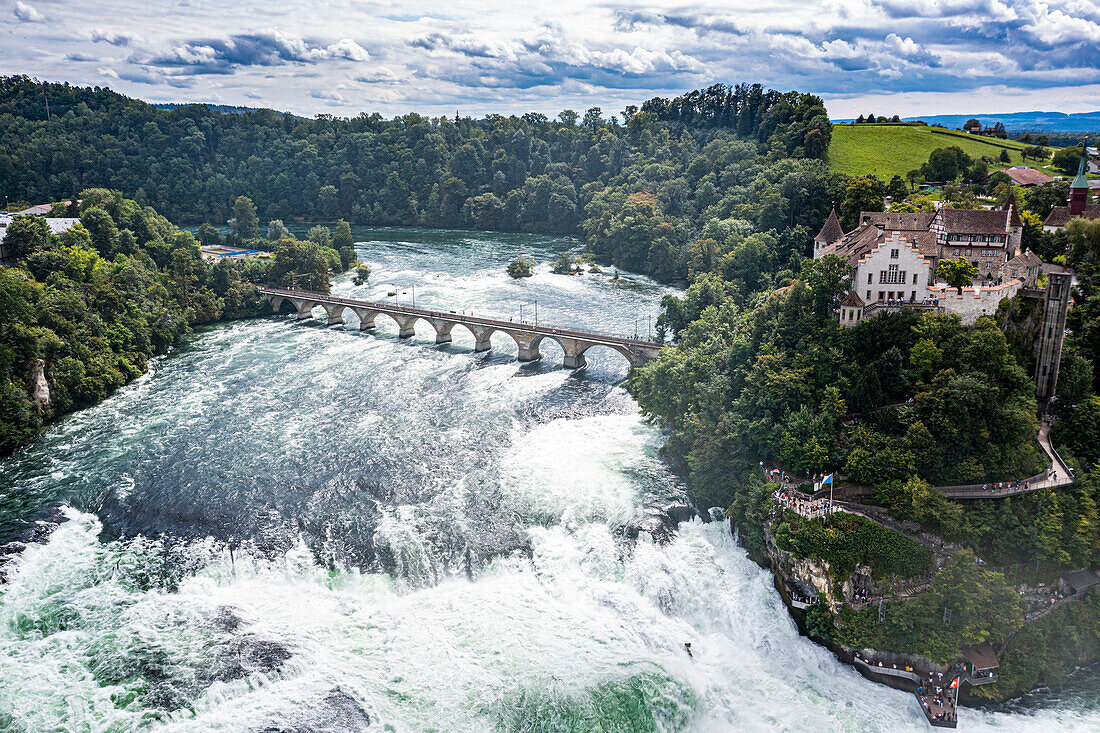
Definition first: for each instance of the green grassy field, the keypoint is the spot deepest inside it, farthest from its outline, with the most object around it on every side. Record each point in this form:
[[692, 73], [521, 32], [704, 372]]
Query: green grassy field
[[889, 150]]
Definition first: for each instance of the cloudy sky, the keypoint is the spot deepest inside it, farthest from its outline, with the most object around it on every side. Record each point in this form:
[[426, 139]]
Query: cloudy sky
[[908, 57]]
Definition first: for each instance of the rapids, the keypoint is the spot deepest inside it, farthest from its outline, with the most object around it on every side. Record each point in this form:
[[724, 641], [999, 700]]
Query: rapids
[[289, 527]]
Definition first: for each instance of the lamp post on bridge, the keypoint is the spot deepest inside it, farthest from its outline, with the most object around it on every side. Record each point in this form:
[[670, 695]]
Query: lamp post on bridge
[[648, 330], [524, 305], [294, 279]]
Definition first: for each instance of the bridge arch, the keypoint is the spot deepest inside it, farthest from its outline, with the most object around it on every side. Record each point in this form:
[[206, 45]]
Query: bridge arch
[[482, 335]]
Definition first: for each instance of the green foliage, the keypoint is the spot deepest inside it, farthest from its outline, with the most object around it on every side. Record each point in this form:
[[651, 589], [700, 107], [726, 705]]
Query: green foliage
[[917, 501], [946, 164], [521, 267], [362, 272], [846, 540], [1068, 159], [97, 302], [308, 259], [957, 273], [245, 223], [524, 173], [208, 234], [1046, 652], [1083, 240], [981, 606], [876, 460], [563, 265], [343, 237], [865, 193], [276, 230], [26, 235]]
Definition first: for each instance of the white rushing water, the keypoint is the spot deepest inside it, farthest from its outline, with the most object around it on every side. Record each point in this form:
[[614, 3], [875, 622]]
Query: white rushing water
[[424, 540]]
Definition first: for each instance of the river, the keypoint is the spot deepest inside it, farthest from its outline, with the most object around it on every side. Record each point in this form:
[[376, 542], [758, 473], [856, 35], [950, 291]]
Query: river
[[292, 527]]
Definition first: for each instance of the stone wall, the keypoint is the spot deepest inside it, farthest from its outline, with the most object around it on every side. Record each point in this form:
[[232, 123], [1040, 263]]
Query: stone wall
[[975, 302]]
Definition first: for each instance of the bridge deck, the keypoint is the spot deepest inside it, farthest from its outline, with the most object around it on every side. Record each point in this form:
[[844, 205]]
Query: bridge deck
[[595, 338]]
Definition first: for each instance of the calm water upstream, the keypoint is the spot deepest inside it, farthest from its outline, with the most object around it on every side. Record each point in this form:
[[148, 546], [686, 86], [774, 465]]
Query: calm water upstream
[[288, 527]]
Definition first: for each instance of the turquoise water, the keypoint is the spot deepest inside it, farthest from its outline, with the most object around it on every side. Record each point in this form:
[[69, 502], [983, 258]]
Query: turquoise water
[[289, 527]]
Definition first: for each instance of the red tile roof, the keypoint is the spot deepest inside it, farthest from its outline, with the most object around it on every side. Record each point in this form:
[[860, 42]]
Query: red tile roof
[[1027, 176], [974, 221], [853, 300], [1059, 215], [830, 231]]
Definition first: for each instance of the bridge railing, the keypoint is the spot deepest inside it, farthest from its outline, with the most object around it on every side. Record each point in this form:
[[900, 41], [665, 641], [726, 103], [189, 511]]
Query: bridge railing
[[461, 317]]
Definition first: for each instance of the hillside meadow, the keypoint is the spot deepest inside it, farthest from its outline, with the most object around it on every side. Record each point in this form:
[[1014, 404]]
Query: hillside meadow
[[895, 149]]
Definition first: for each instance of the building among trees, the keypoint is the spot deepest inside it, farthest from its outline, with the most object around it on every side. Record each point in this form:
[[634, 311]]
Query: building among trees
[[895, 257], [1078, 204]]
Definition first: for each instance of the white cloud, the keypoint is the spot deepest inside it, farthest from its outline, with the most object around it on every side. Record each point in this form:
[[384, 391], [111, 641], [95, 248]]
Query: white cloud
[[511, 57], [26, 13], [348, 49]]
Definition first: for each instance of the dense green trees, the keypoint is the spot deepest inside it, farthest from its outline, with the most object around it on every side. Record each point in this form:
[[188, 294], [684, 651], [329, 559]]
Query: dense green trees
[[678, 162], [776, 381], [1068, 159], [521, 267], [91, 306], [946, 164]]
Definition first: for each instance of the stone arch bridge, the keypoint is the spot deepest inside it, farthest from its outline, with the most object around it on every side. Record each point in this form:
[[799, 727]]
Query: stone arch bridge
[[527, 336]]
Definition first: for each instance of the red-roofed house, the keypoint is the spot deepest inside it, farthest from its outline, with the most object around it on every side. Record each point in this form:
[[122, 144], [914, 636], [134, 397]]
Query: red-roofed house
[[1021, 175]]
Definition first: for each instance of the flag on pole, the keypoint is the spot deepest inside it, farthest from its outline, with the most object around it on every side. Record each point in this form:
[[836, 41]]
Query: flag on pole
[[827, 480], [954, 684]]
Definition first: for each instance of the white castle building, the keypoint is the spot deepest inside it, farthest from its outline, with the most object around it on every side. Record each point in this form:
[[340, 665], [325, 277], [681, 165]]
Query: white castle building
[[893, 259]]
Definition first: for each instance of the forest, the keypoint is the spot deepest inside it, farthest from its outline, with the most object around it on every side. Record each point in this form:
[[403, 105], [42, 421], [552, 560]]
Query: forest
[[86, 310], [681, 163]]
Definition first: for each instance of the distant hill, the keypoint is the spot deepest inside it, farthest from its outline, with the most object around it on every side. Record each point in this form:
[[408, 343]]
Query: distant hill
[[895, 149], [1023, 121], [226, 109]]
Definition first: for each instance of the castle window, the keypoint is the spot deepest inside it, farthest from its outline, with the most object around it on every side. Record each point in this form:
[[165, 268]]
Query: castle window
[[894, 254], [868, 278], [892, 275], [914, 278]]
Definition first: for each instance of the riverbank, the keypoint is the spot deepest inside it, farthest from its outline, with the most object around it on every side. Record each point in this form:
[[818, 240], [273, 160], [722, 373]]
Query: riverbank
[[1042, 655]]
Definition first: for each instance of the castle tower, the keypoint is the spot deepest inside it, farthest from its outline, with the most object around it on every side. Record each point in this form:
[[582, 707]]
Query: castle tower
[[830, 233], [1079, 189]]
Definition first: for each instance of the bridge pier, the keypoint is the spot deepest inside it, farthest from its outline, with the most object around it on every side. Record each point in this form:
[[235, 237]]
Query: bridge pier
[[574, 352], [335, 315], [405, 325], [482, 336], [366, 318], [574, 361], [528, 345], [442, 330], [305, 309]]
